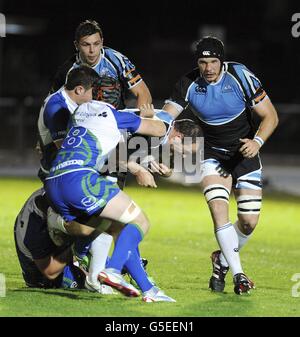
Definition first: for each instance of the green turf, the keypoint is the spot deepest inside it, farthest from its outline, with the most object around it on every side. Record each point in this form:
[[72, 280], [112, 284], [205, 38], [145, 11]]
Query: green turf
[[178, 247]]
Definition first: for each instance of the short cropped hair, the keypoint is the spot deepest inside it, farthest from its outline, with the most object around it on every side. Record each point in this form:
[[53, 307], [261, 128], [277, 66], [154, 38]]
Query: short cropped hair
[[83, 75], [188, 128], [87, 27]]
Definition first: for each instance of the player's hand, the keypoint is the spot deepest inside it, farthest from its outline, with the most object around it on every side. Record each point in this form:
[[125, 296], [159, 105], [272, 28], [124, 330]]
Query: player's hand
[[161, 169], [147, 110], [145, 178], [250, 148]]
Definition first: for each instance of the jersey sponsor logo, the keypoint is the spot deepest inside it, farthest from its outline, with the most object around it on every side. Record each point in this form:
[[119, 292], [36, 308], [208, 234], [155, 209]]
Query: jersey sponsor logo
[[102, 114], [201, 90], [91, 203], [88, 201], [67, 163]]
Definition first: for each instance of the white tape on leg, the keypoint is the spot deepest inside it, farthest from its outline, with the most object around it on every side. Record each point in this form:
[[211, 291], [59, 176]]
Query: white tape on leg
[[131, 212], [249, 204], [216, 192]]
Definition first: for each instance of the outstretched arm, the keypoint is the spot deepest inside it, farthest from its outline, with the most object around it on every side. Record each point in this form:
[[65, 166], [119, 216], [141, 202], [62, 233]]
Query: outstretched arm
[[152, 127]]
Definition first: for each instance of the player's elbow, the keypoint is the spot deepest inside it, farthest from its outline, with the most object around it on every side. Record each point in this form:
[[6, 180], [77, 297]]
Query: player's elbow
[[276, 121]]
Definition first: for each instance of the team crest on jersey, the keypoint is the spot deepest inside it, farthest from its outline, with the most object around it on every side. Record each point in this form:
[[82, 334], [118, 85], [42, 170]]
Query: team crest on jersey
[[106, 72], [201, 90], [227, 88]]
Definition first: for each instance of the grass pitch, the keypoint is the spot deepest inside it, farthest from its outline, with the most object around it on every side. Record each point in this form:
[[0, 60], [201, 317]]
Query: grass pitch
[[178, 247]]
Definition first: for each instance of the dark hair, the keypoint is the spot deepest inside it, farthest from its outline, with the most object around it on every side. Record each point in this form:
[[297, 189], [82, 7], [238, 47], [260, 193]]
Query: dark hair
[[87, 27], [210, 46], [188, 128], [83, 75]]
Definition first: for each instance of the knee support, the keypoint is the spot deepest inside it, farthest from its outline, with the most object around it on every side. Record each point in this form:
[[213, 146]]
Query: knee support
[[249, 204], [216, 192], [131, 212]]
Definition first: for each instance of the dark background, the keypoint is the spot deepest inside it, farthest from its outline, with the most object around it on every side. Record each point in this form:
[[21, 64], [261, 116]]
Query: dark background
[[157, 37]]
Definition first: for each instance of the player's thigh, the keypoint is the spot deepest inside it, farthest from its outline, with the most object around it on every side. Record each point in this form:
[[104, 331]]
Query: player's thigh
[[216, 189], [212, 174]]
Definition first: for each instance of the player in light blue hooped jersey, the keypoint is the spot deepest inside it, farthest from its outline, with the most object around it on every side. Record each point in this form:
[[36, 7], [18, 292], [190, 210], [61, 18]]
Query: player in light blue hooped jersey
[[107, 62], [78, 191], [223, 96]]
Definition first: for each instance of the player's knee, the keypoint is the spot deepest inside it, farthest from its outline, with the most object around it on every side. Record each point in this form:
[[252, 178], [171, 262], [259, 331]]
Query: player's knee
[[248, 211], [218, 207], [248, 225], [133, 214], [143, 222]]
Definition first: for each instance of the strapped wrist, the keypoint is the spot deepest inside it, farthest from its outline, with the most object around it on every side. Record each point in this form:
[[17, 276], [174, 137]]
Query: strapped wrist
[[259, 141]]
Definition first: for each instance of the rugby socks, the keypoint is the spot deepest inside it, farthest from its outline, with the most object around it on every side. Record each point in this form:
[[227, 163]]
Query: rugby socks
[[223, 260], [99, 251], [229, 244], [136, 270], [127, 242], [243, 238]]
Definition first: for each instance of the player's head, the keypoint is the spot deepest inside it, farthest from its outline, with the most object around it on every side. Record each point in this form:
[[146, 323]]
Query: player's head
[[210, 57], [89, 41], [185, 134], [80, 83]]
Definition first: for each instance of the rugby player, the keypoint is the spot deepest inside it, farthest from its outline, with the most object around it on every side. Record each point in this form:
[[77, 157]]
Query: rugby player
[[43, 264], [95, 132], [223, 96], [107, 62]]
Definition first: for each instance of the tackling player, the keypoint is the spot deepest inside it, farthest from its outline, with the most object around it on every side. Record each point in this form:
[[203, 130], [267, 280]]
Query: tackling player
[[95, 132]]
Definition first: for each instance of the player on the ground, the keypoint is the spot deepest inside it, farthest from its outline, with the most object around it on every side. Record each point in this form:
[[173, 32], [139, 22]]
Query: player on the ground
[[43, 264], [223, 95]]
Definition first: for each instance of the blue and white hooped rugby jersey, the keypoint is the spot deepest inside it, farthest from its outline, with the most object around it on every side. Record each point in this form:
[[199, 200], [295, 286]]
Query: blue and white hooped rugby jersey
[[111, 64], [95, 131], [114, 64], [222, 107]]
